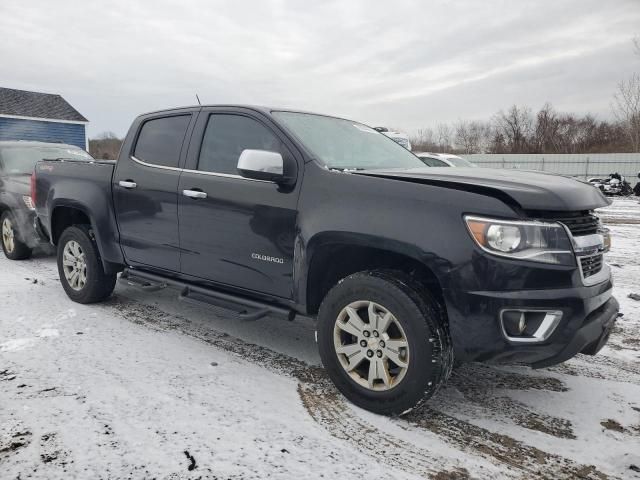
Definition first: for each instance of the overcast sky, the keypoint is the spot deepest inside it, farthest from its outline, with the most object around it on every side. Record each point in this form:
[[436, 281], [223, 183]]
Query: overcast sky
[[407, 64]]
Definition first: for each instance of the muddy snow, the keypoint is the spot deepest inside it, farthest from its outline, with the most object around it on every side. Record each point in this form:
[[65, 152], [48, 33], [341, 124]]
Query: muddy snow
[[145, 386]]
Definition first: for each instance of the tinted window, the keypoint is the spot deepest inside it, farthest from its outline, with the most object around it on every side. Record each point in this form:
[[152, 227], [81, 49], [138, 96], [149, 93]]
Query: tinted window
[[160, 140], [460, 162], [226, 136], [433, 162]]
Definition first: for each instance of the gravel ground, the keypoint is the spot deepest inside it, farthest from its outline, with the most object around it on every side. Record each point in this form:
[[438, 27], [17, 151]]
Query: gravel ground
[[144, 386]]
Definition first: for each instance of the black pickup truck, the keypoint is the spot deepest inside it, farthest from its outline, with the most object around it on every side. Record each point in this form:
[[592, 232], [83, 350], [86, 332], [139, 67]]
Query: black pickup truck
[[406, 268]]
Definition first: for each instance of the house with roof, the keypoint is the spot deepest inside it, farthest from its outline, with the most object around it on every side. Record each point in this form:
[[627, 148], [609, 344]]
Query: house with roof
[[43, 117]]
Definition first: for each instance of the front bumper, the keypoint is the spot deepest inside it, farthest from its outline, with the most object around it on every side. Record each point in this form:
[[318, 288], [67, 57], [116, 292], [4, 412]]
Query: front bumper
[[588, 314], [590, 338]]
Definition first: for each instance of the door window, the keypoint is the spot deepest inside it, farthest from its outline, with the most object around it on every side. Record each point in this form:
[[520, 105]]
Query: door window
[[226, 136], [160, 140]]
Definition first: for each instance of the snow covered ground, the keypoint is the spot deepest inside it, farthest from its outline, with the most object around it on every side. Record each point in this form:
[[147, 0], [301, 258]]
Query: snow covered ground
[[144, 386]]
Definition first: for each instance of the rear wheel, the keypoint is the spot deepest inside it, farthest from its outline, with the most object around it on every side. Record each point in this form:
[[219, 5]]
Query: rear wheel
[[80, 267], [12, 245], [382, 340]]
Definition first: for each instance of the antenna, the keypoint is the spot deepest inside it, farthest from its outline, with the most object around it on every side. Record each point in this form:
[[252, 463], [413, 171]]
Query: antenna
[[198, 98]]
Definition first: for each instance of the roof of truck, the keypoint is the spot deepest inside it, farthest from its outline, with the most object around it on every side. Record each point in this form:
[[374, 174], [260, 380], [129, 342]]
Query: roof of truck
[[257, 108]]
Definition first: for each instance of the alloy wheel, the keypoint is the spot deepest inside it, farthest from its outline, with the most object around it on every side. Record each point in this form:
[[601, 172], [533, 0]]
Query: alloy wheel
[[75, 265], [8, 236], [371, 345]]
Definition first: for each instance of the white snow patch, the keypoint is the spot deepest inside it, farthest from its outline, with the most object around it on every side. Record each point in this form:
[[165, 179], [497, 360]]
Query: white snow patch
[[48, 332], [16, 344]]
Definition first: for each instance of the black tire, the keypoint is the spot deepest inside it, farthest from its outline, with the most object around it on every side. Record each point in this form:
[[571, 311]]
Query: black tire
[[99, 285], [18, 250], [423, 322]]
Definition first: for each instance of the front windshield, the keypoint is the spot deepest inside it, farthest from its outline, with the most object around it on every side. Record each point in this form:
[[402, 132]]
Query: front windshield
[[20, 160], [346, 145], [460, 162]]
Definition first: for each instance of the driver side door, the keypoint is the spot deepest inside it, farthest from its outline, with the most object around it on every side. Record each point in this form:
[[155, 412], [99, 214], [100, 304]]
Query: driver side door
[[236, 231]]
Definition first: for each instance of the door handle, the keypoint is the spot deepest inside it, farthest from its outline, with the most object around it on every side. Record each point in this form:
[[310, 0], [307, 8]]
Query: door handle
[[127, 184], [194, 194]]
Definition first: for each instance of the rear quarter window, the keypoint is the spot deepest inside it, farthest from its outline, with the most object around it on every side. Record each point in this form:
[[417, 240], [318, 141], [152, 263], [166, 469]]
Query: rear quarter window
[[160, 140]]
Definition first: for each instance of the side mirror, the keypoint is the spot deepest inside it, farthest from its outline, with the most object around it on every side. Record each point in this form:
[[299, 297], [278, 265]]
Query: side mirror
[[261, 165]]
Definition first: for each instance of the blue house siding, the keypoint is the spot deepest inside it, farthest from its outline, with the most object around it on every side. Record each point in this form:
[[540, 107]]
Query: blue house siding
[[36, 130]]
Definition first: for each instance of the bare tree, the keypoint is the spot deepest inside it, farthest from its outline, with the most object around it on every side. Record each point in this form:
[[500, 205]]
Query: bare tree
[[515, 126], [626, 108], [444, 137], [471, 137], [545, 137], [105, 146]]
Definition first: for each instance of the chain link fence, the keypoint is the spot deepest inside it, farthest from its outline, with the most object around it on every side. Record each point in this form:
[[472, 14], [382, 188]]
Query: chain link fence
[[584, 166]]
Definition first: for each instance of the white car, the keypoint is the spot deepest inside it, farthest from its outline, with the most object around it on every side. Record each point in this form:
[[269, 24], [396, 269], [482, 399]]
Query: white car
[[398, 137], [444, 160]]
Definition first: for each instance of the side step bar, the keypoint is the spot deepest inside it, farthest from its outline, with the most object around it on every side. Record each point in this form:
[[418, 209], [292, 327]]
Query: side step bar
[[142, 284], [245, 308]]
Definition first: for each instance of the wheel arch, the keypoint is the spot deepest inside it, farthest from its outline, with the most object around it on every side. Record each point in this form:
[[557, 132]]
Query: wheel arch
[[335, 255], [66, 215]]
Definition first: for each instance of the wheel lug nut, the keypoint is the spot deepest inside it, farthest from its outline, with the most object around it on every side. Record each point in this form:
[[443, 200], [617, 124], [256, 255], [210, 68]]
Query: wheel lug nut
[[366, 333], [375, 333], [381, 343], [369, 353], [379, 353], [363, 343]]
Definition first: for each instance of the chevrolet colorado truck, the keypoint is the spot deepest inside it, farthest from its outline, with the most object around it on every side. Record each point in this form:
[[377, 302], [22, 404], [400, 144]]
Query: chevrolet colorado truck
[[407, 268]]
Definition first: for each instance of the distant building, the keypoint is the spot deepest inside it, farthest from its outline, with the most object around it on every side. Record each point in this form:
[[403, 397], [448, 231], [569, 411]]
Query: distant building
[[43, 117]]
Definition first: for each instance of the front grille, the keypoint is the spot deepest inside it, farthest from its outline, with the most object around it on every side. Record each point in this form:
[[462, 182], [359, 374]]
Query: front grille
[[591, 265], [579, 223]]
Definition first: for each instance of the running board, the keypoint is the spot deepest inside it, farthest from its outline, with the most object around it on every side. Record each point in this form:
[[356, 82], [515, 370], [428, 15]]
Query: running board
[[242, 311], [245, 308], [140, 283]]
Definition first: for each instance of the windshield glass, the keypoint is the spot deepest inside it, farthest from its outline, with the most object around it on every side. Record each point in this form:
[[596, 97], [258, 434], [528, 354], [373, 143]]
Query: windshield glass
[[460, 162], [433, 162], [20, 160], [343, 144]]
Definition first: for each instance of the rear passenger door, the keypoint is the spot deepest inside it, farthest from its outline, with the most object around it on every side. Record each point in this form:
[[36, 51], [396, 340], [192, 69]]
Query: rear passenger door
[[240, 232], [145, 190]]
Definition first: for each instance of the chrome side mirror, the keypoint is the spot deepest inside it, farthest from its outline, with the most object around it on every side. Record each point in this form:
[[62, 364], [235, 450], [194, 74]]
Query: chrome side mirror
[[261, 165]]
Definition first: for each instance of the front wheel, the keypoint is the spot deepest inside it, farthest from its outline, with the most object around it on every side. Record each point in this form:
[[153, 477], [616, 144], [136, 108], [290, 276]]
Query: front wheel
[[12, 245], [382, 341], [80, 267]]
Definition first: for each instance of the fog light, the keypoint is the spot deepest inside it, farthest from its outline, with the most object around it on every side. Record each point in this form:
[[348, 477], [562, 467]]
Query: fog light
[[529, 326], [514, 323]]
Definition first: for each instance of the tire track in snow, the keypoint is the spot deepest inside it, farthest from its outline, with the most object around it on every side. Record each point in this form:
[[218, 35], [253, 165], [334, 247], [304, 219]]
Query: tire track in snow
[[316, 391], [600, 368], [482, 386], [329, 409]]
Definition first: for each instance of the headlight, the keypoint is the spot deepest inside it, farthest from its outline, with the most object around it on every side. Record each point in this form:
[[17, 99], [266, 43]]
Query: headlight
[[522, 240]]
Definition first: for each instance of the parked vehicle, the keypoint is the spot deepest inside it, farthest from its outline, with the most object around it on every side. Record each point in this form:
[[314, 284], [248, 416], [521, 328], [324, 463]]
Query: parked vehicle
[[613, 185], [444, 160], [405, 267], [398, 137], [17, 213]]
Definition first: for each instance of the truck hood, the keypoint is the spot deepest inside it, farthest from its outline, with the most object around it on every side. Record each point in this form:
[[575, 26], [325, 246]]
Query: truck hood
[[521, 189]]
